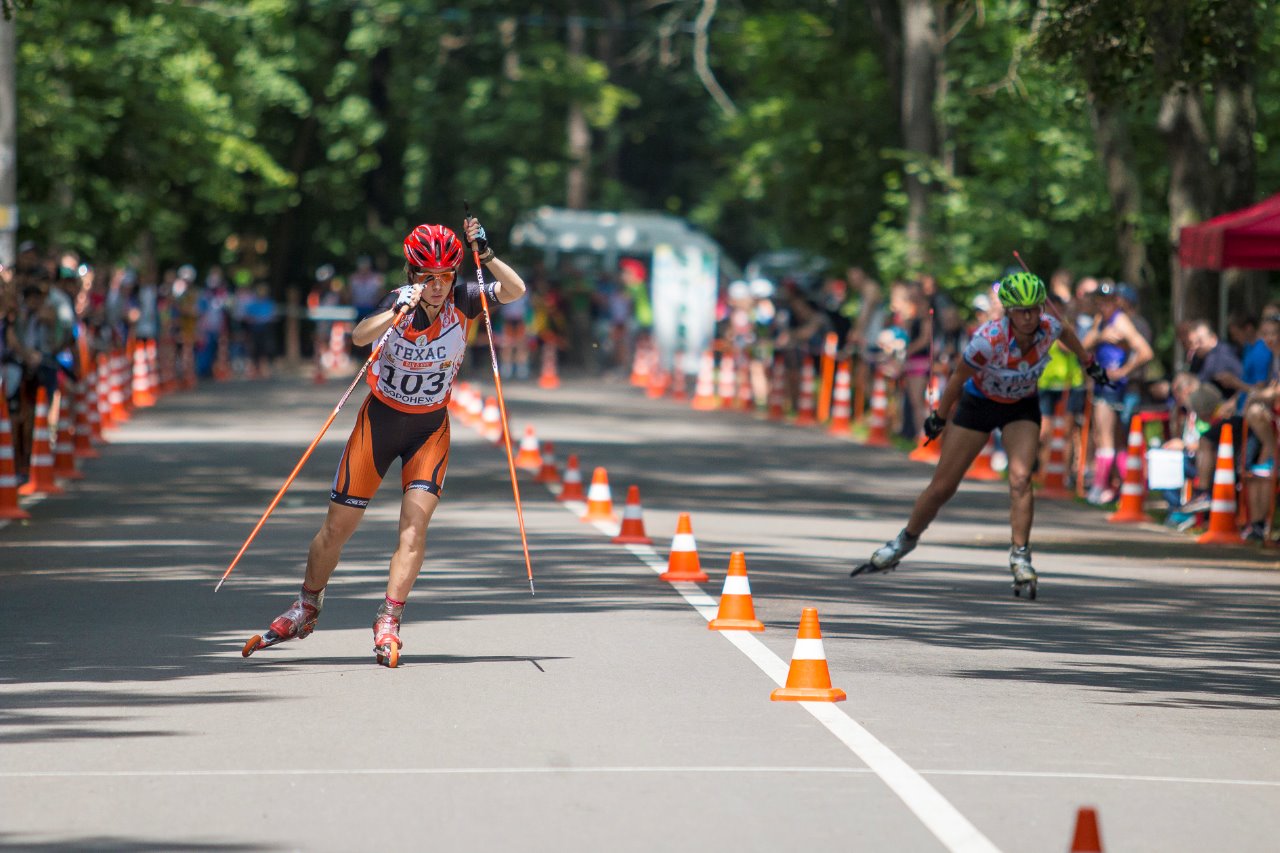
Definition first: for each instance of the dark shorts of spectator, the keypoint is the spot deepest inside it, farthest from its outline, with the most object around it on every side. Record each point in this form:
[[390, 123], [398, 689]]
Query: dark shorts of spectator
[[1049, 398], [985, 415], [262, 342], [1112, 395], [1214, 436]]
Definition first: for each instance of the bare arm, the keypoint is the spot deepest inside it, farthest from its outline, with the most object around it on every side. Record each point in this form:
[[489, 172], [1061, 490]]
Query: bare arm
[[955, 386], [510, 286]]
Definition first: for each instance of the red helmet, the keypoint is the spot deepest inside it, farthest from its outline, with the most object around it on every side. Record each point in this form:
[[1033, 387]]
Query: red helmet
[[433, 247]]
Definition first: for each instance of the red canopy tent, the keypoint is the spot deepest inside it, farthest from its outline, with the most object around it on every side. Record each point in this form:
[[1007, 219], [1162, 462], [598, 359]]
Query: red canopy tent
[[1243, 239]]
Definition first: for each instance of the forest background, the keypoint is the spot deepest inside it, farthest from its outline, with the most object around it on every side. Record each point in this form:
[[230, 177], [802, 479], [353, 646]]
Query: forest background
[[904, 136]]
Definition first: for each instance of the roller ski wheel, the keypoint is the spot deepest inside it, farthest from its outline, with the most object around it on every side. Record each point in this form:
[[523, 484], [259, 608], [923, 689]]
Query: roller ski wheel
[[870, 568], [388, 654], [1029, 586]]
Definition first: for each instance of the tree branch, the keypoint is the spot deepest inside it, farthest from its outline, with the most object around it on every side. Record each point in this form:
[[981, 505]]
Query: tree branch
[[700, 63]]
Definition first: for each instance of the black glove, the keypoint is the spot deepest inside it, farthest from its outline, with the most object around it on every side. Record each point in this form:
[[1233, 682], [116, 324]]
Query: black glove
[[933, 425], [408, 296], [479, 240], [1098, 374]]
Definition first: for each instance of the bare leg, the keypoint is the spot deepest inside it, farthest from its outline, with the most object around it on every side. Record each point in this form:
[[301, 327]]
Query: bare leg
[[1021, 443], [960, 446], [326, 546], [406, 562]]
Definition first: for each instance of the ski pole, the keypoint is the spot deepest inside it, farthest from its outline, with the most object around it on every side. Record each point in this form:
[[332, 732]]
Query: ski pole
[[377, 350], [502, 406]]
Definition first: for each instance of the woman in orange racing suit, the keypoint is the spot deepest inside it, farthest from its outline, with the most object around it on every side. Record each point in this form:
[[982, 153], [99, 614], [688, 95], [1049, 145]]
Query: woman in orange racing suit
[[406, 416]]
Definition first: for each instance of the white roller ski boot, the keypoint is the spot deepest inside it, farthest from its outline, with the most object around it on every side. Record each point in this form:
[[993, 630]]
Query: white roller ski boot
[[1023, 575], [386, 634], [887, 556], [298, 621]]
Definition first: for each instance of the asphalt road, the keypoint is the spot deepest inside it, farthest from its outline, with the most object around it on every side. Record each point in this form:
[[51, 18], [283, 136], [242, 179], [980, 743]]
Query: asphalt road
[[601, 713]]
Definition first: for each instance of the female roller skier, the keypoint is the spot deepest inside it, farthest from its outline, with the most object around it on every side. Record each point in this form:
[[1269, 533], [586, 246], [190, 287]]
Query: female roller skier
[[994, 386], [405, 416]]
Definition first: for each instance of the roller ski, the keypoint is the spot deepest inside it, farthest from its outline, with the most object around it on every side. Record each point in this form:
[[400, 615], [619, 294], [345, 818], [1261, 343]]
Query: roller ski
[[887, 556], [296, 622], [1024, 577], [386, 634]]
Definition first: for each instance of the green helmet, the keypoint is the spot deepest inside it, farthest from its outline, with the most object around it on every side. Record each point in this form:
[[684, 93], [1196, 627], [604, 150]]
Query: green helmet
[[1021, 290]]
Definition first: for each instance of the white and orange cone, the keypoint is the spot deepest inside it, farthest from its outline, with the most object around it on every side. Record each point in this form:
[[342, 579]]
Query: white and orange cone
[[85, 411], [704, 393], [64, 448], [549, 473], [475, 409], [737, 612], [683, 563], [549, 376], [1222, 508], [1133, 491], [878, 419], [981, 469], [640, 366], [42, 481], [530, 455], [805, 411], [841, 401], [572, 490], [728, 382], [142, 397], [599, 498], [632, 530], [491, 421], [746, 399], [8, 473], [808, 679], [1054, 484]]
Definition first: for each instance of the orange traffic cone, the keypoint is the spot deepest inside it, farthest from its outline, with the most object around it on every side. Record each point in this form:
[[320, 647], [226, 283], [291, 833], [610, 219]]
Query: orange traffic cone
[[679, 389], [141, 381], [572, 490], [981, 468], [41, 481], [640, 364], [8, 474], [808, 680], [659, 380], [599, 498], [549, 377], [736, 612], [549, 472], [632, 530], [64, 448], [841, 401], [103, 392], [728, 382], [119, 409], [704, 393], [746, 399], [1222, 509], [1054, 484], [683, 564], [530, 455], [1086, 838], [85, 412], [1134, 489], [878, 419], [491, 421], [805, 415], [158, 388], [475, 408], [778, 390]]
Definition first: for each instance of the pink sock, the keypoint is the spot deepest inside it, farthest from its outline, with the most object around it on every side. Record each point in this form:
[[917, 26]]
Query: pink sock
[[1102, 462]]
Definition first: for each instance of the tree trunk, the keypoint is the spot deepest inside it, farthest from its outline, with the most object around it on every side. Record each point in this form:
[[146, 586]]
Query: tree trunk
[[1115, 150], [1182, 125], [919, 128], [1235, 119], [577, 132]]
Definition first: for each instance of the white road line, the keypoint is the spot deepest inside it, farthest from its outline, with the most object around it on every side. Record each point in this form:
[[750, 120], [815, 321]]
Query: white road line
[[621, 770], [941, 818]]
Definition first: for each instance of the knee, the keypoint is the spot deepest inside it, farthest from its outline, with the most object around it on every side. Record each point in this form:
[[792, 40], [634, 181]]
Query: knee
[[1019, 484]]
